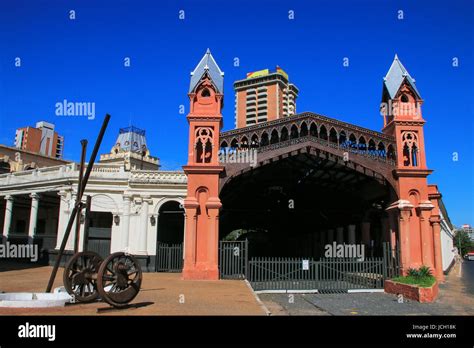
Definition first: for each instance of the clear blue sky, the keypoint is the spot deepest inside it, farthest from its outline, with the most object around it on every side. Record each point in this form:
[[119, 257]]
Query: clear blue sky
[[82, 60]]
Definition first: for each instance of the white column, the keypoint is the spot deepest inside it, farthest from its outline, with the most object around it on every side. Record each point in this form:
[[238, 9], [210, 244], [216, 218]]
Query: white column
[[126, 221], [65, 209], [142, 237], [8, 216], [351, 234], [72, 234], [340, 235], [33, 216]]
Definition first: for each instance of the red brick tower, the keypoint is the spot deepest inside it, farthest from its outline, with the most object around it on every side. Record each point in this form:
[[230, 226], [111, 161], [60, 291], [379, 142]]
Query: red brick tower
[[202, 202], [403, 119]]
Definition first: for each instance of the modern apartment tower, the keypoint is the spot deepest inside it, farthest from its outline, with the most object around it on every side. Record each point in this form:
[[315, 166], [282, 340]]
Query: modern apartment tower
[[42, 140], [264, 95]]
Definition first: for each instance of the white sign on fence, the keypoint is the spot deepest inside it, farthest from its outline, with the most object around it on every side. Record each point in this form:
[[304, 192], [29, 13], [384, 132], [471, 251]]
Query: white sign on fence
[[305, 265]]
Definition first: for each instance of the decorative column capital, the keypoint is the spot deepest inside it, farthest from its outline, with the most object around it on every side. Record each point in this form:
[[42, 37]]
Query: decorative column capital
[[127, 197], [213, 203], [405, 214], [424, 208], [401, 204], [146, 199], [35, 196], [191, 203], [9, 198]]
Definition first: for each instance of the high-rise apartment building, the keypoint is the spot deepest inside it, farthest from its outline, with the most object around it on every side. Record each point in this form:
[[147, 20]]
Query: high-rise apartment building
[[264, 95], [42, 140]]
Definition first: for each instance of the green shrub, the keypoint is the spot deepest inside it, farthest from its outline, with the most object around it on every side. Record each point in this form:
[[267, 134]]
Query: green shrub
[[413, 272], [422, 282], [425, 271], [422, 277]]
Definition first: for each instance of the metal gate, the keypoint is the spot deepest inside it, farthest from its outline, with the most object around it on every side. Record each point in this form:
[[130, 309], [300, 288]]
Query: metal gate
[[233, 259], [327, 275], [324, 275], [169, 257]]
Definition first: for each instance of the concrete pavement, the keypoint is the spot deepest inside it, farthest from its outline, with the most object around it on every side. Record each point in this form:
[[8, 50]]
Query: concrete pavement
[[456, 298], [161, 294]]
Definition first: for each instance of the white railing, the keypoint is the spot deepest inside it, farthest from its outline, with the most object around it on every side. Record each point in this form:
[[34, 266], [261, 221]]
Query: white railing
[[99, 171], [172, 177]]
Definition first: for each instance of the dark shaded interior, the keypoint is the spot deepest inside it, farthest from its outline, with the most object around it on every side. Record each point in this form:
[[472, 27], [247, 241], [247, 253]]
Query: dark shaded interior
[[171, 223], [284, 206]]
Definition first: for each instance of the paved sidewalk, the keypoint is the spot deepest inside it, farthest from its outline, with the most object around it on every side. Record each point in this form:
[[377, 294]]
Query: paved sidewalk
[[453, 300], [161, 294]]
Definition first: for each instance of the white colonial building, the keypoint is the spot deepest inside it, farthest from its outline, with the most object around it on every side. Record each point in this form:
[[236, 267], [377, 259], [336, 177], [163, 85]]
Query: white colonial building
[[134, 205]]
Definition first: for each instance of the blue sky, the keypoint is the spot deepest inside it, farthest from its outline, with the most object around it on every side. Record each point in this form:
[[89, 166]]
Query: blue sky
[[83, 60]]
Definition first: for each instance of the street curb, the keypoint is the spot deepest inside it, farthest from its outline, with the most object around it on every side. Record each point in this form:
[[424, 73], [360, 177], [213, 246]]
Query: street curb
[[287, 292], [265, 309]]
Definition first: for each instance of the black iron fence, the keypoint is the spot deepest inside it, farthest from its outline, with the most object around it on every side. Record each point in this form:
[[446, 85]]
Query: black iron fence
[[233, 259], [325, 275], [169, 257], [392, 259]]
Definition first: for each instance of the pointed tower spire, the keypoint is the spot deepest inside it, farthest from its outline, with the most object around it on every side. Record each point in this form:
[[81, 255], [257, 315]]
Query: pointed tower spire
[[396, 76], [207, 66]]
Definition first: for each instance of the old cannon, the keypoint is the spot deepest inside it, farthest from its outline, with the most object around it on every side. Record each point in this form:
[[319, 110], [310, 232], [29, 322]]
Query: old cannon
[[117, 279]]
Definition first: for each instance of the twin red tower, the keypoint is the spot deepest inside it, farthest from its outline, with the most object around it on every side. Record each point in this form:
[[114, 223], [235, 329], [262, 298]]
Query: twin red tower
[[414, 216]]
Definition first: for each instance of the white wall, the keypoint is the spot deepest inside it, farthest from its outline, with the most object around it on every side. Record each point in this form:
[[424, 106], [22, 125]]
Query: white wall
[[447, 246]]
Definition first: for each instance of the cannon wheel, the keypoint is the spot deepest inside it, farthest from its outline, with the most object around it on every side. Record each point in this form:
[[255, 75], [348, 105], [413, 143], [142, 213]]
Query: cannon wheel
[[80, 276], [119, 279]]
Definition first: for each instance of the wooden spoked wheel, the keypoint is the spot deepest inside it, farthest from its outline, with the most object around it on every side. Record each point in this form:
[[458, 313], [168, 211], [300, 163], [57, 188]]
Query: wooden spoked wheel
[[119, 279], [80, 276]]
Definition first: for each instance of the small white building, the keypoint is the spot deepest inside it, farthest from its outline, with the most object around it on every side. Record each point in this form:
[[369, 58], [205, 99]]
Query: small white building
[[134, 205]]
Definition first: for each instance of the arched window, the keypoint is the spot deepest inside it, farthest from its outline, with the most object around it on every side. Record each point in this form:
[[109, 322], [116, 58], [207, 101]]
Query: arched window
[[304, 130], [406, 155], [205, 93], [332, 136], [244, 143], [410, 149], [381, 150], [274, 137], [404, 98], [372, 148], [203, 144], [313, 130], [362, 144], [323, 133], [284, 134], [342, 139], [254, 142], [294, 132], [353, 141], [414, 155], [264, 140], [390, 152]]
